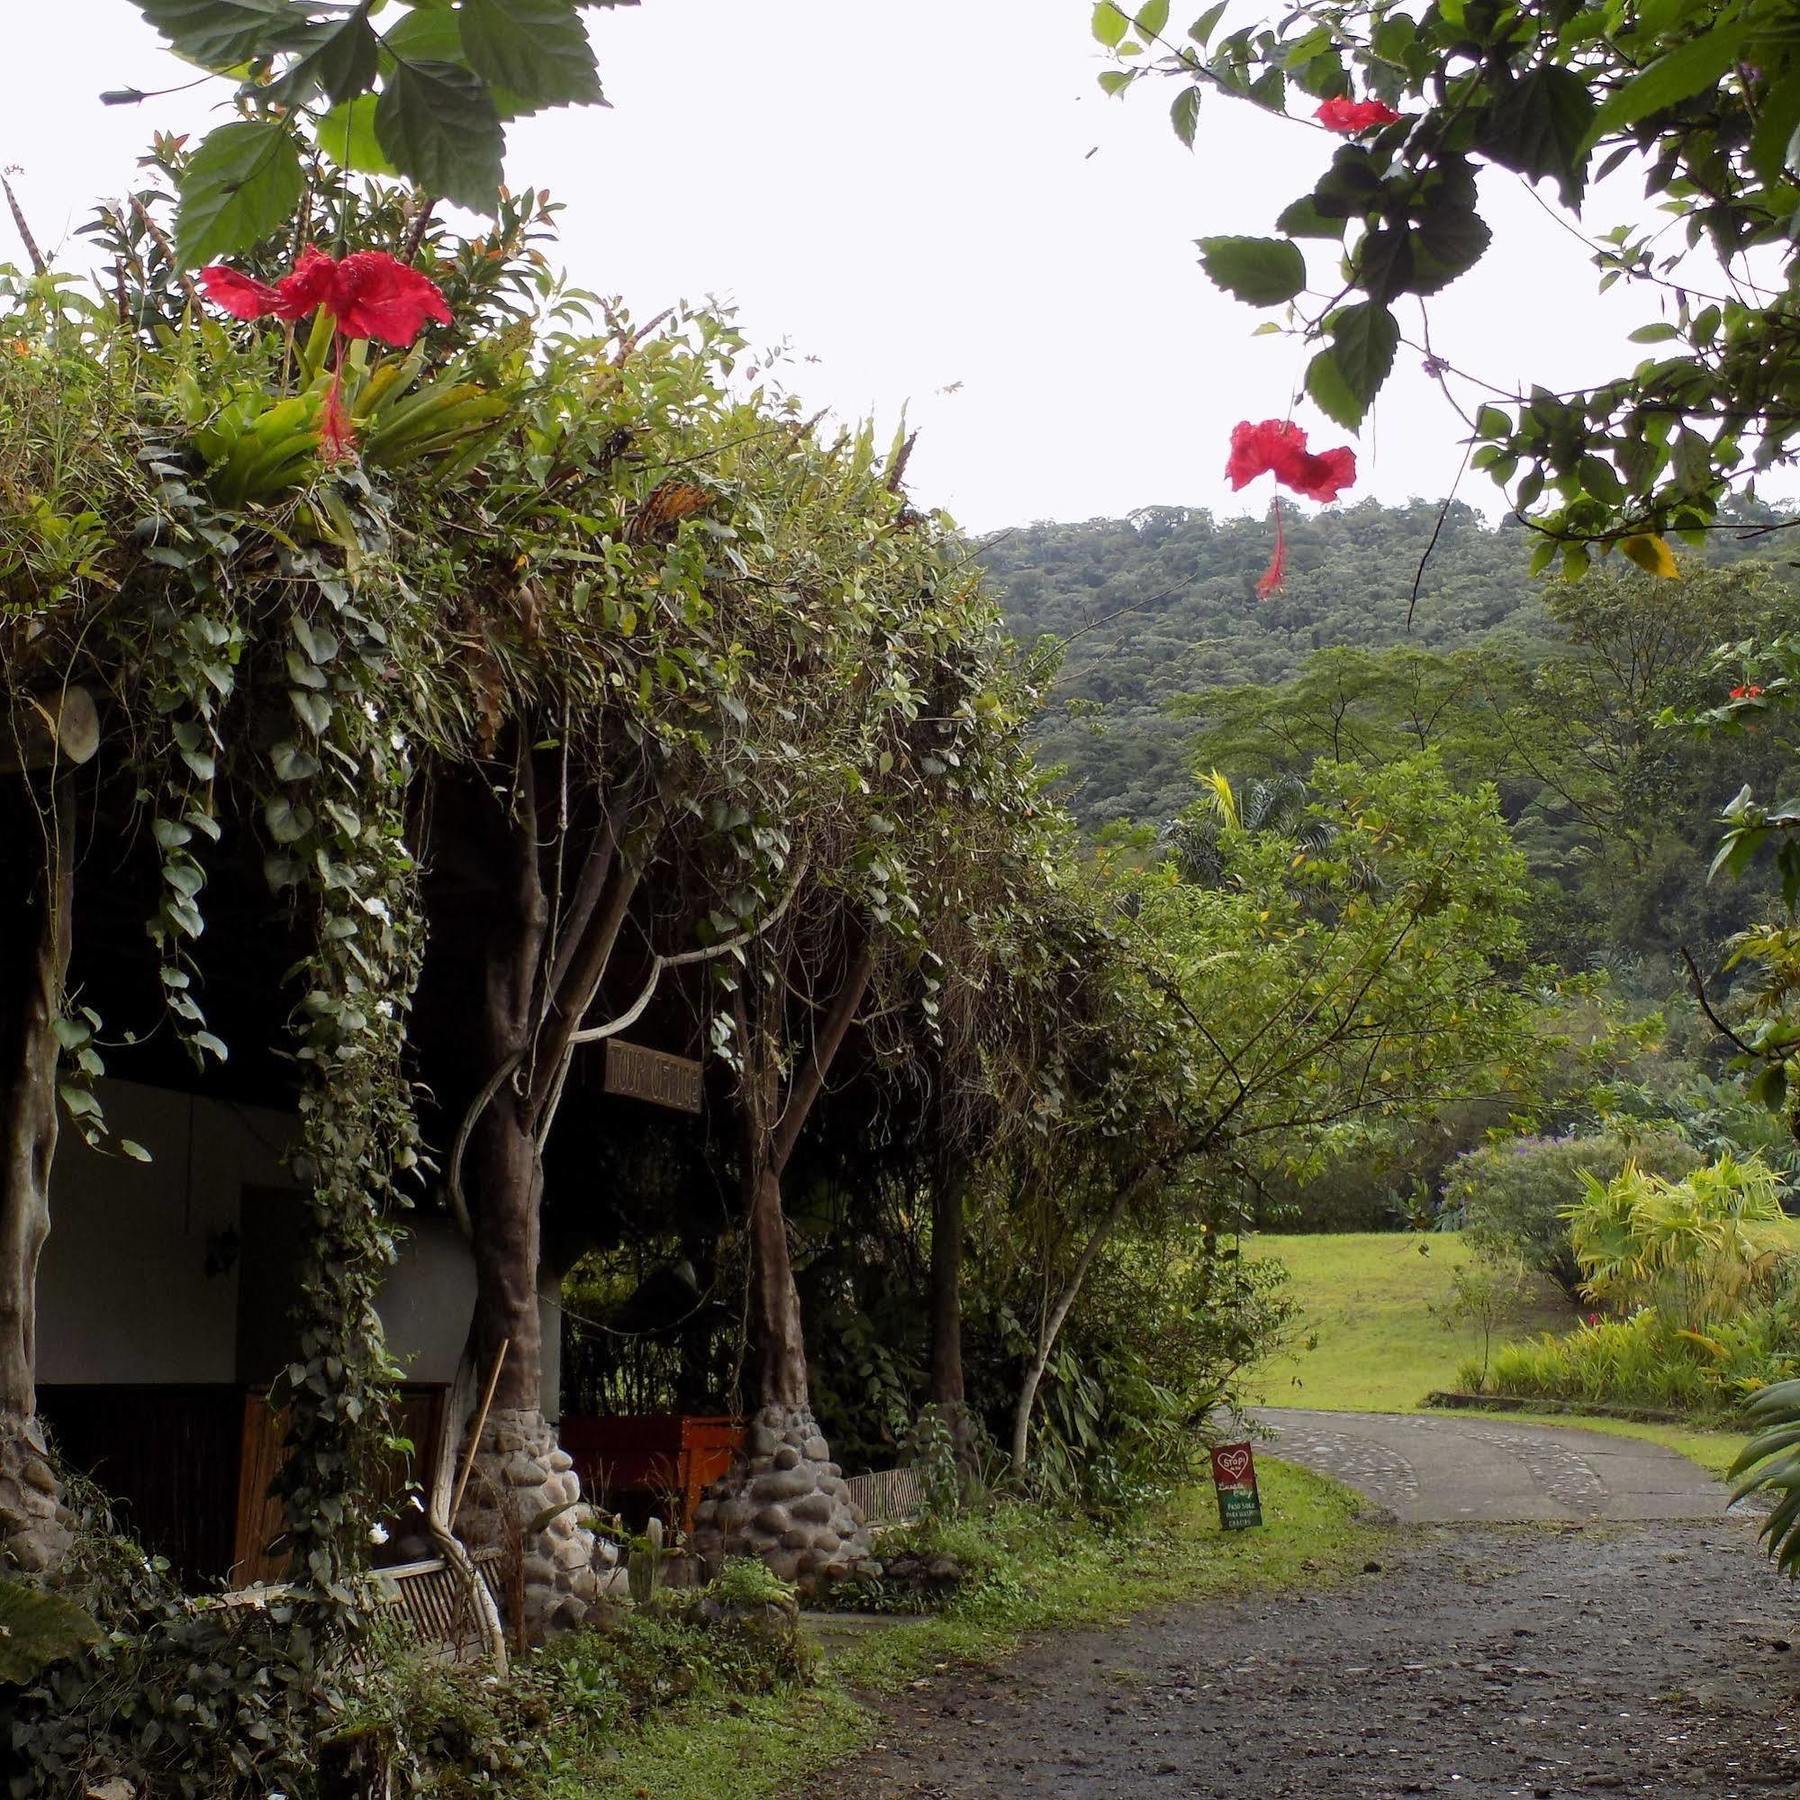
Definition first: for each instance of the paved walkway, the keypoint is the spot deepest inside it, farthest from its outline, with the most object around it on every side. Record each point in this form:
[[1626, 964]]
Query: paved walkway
[[1450, 1468]]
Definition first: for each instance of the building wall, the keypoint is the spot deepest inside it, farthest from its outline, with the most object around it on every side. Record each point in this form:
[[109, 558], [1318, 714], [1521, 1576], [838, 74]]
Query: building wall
[[124, 1293], [124, 1289]]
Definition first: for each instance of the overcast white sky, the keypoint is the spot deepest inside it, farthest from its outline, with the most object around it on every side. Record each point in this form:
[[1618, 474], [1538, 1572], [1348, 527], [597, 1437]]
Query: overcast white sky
[[923, 197]]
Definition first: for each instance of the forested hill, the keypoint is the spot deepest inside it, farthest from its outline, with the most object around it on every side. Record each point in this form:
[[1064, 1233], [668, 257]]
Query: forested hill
[[1164, 603]]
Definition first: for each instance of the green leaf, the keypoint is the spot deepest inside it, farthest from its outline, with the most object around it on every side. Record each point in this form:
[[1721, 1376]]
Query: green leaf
[[222, 33], [1385, 264], [1331, 393], [536, 49], [1491, 422], [1260, 271], [1302, 219], [241, 184], [1363, 341], [1152, 16], [1688, 69], [340, 61], [347, 135], [1772, 147], [1539, 126], [1449, 241], [1184, 114], [437, 123], [1115, 81], [1654, 334], [134, 1150], [1110, 24], [1204, 26]]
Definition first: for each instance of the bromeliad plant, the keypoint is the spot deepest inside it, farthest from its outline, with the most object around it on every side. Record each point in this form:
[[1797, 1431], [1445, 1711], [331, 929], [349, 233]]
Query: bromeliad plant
[[346, 400]]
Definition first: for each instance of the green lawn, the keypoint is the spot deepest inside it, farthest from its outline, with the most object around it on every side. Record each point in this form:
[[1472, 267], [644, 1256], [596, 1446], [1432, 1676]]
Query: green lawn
[[1366, 1300]]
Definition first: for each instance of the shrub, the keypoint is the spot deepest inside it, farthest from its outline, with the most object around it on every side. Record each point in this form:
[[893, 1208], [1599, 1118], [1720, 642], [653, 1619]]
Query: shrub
[[1697, 1249], [1511, 1196]]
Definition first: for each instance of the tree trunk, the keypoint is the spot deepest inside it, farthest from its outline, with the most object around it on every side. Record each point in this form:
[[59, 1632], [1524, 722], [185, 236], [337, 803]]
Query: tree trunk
[[35, 944], [504, 1164], [780, 1339], [1058, 1314], [35, 921], [947, 1190]]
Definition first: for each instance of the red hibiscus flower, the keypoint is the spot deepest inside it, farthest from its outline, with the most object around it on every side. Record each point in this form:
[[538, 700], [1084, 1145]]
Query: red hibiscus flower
[[1746, 693], [1354, 116], [1278, 447], [368, 294]]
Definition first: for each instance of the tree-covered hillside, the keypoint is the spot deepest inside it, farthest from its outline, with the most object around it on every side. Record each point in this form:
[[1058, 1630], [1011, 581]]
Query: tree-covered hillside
[[1164, 604]]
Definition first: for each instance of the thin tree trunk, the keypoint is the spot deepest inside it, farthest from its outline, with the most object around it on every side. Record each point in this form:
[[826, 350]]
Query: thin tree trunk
[[947, 1190], [36, 945], [780, 1339], [503, 1154], [1058, 1314], [771, 1128]]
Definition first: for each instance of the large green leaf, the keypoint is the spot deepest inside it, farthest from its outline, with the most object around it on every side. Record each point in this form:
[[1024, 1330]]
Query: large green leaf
[[438, 125], [338, 60], [1539, 126], [1262, 271], [1331, 393], [241, 184], [1688, 69], [347, 135], [1363, 341], [1772, 148], [220, 33], [1449, 241]]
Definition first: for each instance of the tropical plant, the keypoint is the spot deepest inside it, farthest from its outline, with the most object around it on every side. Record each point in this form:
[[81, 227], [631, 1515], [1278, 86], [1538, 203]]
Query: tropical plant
[[1513, 1196], [1694, 1249]]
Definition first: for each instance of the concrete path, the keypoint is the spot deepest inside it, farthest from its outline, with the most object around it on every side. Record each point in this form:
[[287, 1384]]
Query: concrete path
[[1450, 1468]]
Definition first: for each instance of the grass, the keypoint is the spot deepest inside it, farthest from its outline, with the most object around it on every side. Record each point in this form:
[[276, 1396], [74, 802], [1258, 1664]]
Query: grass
[[1044, 1576], [1365, 1297], [1366, 1300]]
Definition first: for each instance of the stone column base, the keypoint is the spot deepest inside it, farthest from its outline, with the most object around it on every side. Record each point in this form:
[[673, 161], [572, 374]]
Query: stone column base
[[34, 1526], [522, 1473], [784, 1501]]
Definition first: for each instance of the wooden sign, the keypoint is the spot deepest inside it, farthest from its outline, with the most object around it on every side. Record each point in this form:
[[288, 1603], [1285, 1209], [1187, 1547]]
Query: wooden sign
[[1234, 1476], [640, 1074]]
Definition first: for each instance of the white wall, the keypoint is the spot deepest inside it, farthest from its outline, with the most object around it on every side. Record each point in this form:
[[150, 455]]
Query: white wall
[[123, 1293]]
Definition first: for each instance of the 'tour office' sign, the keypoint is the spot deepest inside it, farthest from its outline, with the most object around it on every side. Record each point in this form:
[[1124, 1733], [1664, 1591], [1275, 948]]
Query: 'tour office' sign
[[1234, 1478], [640, 1074]]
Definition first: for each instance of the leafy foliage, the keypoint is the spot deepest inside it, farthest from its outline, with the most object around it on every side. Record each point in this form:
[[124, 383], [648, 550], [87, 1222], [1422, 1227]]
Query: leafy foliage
[[426, 95], [1699, 99], [1513, 1197]]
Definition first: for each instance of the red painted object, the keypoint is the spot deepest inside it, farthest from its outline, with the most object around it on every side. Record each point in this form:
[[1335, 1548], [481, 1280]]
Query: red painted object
[[642, 1465]]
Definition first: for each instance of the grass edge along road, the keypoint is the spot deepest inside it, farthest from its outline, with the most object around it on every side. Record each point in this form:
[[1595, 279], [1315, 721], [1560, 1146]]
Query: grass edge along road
[[1366, 1297], [1046, 1574]]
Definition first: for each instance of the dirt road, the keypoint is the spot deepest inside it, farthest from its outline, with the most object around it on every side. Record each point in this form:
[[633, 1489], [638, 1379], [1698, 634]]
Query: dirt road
[[1588, 1652]]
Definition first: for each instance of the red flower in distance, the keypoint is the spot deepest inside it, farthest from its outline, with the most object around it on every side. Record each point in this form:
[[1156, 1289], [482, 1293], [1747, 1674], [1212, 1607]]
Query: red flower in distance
[[1278, 447], [368, 294], [1746, 693], [1353, 116]]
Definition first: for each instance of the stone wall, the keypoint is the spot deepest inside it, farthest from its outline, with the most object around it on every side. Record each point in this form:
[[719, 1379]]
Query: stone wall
[[784, 1501], [521, 1472], [34, 1527]]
